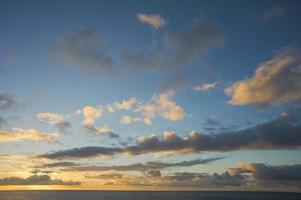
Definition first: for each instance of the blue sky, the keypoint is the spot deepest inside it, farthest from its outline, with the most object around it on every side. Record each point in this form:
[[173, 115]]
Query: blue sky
[[61, 57]]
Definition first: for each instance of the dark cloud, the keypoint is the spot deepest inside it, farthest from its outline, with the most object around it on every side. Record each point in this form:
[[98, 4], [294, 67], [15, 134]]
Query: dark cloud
[[145, 166], [7, 102], [86, 50], [280, 133], [58, 164], [153, 173], [101, 131], [272, 13], [190, 44], [36, 180], [182, 48], [207, 180], [271, 173], [84, 152], [212, 122], [62, 126]]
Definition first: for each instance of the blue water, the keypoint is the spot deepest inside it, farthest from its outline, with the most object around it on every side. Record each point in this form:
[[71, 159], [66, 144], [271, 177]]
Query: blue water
[[126, 195]]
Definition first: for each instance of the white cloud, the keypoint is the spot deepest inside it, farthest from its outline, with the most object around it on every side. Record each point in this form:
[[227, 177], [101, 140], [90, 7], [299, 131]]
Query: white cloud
[[18, 134], [162, 106], [124, 105], [129, 120], [90, 114], [51, 118], [154, 20], [205, 87]]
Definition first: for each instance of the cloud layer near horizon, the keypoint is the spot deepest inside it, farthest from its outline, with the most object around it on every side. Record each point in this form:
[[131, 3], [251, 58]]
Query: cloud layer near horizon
[[280, 133]]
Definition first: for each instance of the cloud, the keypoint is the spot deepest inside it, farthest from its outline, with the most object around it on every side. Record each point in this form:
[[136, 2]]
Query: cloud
[[212, 122], [62, 126], [162, 106], [124, 105], [18, 134], [109, 176], [182, 180], [84, 152], [262, 171], [105, 130], [86, 50], [36, 180], [129, 120], [279, 133], [272, 13], [182, 48], [57, 164], [2, 122], [154, 20], [145, 167], [57, 120], [275, 81], [190, 44], [7, 102], [90, 114], [205, 87], [51, 118]]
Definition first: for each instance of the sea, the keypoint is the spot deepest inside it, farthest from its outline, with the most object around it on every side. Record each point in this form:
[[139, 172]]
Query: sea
[[145, 195]]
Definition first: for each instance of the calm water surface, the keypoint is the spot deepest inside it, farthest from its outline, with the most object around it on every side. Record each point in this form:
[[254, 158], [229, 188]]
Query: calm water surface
[[125, 195]]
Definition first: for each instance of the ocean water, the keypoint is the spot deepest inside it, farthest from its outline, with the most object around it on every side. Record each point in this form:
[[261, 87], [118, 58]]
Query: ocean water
[[130, 195]]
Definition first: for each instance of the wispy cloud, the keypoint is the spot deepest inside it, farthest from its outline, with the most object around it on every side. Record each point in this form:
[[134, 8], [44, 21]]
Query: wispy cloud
[[183, 47], [205, 87], [55, 119], [272, 13], [144, 166], [123, 105], [18, 134], [7, 101], [86, 50], [154, 20]]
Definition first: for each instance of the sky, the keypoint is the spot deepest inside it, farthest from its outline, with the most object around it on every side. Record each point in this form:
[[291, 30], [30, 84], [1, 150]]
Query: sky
[[138, 95]]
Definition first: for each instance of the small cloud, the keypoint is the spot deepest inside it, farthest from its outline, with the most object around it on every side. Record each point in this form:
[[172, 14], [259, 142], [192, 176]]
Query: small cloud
[[162, 106], [212, 122], [129, 120], [205, 87], [105, 130], [154, 20], [123, 105], [57, 120], [51, 118], [272, 13], [91, 114]]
